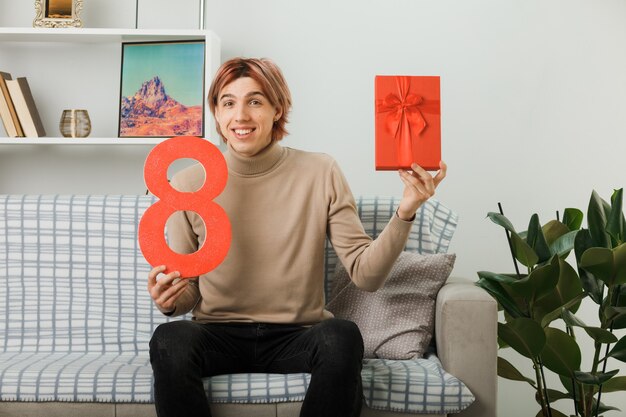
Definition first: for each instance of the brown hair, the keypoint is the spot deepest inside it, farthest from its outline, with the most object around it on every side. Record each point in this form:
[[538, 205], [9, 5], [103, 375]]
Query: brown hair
[[267, 74]]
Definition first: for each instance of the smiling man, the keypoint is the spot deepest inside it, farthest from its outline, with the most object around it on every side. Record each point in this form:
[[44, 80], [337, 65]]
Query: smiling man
[[262, 309]]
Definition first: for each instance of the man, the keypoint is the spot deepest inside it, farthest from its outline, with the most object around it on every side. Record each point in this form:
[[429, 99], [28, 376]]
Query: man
[[262, 309]]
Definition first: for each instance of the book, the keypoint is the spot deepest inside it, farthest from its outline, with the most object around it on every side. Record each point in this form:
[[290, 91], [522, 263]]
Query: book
[[25, 106], [7, 110], [407, 122]]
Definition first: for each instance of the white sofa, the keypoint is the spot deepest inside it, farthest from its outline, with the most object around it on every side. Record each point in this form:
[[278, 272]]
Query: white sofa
[[75, 321]]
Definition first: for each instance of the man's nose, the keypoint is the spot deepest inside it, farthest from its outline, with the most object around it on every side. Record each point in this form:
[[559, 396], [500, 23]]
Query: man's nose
[[241, 113]]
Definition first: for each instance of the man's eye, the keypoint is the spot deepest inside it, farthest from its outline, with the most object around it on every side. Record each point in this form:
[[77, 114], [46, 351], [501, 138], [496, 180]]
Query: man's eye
[[227, 104], [255, 102]]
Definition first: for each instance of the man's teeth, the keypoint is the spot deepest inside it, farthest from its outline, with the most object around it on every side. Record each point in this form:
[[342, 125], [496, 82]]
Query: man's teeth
[[243, 131]]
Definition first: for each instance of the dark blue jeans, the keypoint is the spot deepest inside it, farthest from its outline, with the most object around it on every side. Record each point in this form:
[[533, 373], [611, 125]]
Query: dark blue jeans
[[183, 352]]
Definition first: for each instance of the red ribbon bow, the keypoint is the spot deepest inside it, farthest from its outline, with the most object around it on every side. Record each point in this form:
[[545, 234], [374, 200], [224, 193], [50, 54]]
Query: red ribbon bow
[[404, 117]]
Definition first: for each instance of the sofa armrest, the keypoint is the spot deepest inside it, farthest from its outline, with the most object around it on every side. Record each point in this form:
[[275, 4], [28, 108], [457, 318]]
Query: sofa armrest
[[465, 332]]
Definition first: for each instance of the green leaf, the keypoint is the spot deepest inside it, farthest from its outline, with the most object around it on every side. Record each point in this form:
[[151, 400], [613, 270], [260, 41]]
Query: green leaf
[[568, 288], [555, 413], [502, 344], [573, 218], [553, 315], [561, 354], [508, 371], [603, 408], [599, 262], [614, 313], [600, 335], [597, 220], [619, 350], [591, 284], [616, 225], [537, 240], [570, 319], [619, 264], [582, 242], [594, 379], [503, 281], [495, 277], [523, 252], [501, 296], [620, 319], [564, 244], [553, 395], [508, 317], [615, 384], [524, 335], [501, 220], [567, 384], [596, 333], [553, 230], [540, 282]]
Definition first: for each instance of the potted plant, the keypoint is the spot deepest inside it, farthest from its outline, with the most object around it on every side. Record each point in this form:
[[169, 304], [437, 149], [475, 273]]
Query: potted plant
[[542, 300]]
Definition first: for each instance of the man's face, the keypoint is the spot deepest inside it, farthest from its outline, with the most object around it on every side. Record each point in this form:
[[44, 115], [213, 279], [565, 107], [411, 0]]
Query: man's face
[[245, 116]]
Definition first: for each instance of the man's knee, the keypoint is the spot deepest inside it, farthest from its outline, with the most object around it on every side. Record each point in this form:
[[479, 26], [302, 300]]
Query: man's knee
[[171, 341], [342, 338]]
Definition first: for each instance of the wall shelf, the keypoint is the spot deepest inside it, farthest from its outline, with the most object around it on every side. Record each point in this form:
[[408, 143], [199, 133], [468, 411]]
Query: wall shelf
[[81, 68], [80, 141], [87, 35]]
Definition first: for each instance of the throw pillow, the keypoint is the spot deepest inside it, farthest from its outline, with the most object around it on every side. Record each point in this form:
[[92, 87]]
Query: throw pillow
[[397, 321]]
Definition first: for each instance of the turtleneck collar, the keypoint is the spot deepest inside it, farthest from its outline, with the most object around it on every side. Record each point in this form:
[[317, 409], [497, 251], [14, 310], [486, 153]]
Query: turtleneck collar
[[258, 164]]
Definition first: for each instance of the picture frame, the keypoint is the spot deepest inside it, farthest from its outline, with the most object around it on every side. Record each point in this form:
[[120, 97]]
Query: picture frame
[[58, 13], [162, 89]]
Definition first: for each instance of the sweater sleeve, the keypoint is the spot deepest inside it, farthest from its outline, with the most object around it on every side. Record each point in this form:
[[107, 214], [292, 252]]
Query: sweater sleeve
[[367, 261]]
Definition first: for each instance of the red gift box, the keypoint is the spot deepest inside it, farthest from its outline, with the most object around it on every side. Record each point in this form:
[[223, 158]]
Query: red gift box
[[408, 122]]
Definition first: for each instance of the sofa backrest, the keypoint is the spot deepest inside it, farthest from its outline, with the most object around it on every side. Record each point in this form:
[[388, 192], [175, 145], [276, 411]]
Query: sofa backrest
[[75, 279], [432, 229]]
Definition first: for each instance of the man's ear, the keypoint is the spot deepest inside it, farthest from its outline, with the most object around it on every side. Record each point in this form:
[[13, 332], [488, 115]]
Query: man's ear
[[279, 114]]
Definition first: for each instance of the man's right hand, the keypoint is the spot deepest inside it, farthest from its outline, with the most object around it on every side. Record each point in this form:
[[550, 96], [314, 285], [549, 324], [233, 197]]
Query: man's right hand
[[166, 289]]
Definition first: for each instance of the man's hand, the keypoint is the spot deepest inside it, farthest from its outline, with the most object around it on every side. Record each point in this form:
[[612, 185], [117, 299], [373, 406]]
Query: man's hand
[[165, 290], [419, 186]]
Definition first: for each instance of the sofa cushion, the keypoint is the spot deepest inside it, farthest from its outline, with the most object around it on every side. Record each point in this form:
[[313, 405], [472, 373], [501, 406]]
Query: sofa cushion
[[431, 390], [413, 386], [75, 376], [398, 320], [124, 378]]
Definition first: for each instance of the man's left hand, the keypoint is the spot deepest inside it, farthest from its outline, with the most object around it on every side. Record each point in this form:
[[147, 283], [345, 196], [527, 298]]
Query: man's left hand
[[419, 186]]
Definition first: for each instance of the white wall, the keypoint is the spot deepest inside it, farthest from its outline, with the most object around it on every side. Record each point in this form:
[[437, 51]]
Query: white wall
[[533, 105]]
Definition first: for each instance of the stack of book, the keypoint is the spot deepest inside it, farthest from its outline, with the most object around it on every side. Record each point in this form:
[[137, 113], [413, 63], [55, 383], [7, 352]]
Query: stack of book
[[18, 111]]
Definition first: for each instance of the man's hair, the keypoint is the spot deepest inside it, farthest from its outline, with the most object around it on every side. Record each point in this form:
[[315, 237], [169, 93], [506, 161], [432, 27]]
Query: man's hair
[[267, 74]]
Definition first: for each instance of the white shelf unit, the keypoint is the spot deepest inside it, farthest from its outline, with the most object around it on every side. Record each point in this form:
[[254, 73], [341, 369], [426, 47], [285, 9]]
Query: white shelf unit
[[81, 68], [79, 141]]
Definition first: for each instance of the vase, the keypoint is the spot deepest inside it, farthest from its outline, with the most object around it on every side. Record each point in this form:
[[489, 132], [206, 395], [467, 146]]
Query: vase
[[75, 123]]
